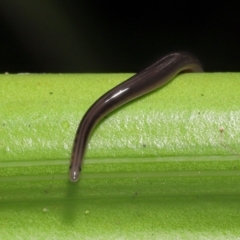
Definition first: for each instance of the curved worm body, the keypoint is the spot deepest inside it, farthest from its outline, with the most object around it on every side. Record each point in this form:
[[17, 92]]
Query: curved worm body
[[153, 77]]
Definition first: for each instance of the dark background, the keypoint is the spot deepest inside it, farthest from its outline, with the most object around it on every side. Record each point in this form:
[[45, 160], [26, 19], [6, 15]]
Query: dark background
[[111, 36]]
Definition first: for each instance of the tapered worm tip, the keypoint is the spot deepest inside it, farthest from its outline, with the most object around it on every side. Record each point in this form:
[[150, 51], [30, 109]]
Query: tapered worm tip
[[74, 175]]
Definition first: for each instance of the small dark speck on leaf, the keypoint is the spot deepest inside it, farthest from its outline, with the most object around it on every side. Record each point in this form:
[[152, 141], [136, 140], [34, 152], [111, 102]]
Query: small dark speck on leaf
[[51, 93], [144, 145], [3, 124], [202, 94], [199, 113]]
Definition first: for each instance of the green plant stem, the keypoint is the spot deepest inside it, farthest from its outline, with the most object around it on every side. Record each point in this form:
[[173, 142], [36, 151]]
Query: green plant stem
[[163, 165]]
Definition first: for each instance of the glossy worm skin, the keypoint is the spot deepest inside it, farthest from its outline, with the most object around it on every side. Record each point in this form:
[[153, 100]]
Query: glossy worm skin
[[153, 77]]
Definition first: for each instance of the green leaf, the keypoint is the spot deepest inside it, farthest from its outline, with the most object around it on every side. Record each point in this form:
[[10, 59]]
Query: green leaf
[[165, 165]]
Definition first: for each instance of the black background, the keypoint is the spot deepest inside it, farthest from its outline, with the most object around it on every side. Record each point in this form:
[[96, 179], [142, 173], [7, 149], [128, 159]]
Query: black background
[[111, 36]]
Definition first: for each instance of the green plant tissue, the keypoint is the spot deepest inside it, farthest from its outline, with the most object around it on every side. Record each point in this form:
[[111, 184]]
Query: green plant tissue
[[163, 166]]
